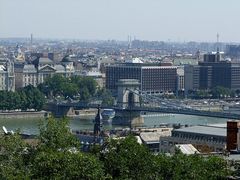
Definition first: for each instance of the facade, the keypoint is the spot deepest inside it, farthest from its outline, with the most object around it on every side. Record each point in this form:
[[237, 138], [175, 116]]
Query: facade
[[233, 141], [180, 78], [152, 78], [150, 137], [212, 72], [203, 138], [41, 68], [7, 77], [233, 51]]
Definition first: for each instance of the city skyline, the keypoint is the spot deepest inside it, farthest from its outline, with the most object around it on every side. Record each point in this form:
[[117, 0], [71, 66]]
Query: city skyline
[[172, 21]]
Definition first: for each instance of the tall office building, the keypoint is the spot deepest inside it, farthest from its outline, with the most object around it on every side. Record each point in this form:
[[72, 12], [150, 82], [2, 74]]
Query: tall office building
[[212, 72], [152, 77]]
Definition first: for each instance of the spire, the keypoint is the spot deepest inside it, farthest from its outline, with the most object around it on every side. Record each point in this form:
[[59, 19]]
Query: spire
[[217, 42], [98, 123]]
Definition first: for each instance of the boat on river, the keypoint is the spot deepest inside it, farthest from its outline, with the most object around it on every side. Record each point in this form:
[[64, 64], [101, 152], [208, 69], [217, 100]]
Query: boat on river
[[107, 115]]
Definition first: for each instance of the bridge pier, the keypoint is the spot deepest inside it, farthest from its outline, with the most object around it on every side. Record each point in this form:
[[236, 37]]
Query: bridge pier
[[129, 118], [59, 111]]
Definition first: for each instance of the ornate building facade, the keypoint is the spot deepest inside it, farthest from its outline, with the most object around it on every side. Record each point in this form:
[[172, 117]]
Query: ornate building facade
[[7, 76], [42, 68]]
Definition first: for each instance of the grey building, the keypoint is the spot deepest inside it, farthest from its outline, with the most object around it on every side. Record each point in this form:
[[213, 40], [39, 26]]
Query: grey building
[[204, 138], [152, 77], [41, 68], [7, 76], [212, 72]]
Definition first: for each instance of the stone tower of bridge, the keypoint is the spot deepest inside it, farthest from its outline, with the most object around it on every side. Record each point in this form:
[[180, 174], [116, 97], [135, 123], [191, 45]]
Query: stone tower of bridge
[[128, 93], [128, 98]]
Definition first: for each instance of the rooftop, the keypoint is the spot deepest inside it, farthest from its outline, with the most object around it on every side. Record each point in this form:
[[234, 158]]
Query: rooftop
[[204, 130], [187, 149]]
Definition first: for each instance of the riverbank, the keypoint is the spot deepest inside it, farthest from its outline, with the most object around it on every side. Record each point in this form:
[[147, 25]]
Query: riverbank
[[84, 113], [23, 115]]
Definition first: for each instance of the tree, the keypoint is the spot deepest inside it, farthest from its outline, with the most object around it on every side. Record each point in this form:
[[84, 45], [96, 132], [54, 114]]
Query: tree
[[126, 159], [66, 165], [202, 94], [106, 97], [53, 85], [69, 87], [35, 99], [55, 135], [180, 166], [13, 157], [3, 100], [84, 94], [220, 92], [23, 99], [58, 155], [69, 90], [91, 85]]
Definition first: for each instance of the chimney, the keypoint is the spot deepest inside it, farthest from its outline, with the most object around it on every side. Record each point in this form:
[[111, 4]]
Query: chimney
[[232, 135]]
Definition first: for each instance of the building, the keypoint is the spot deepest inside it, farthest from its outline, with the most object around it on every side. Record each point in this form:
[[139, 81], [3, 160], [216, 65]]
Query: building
[[203, 138], [7, 76], [41, 68], [187, 149], [233, 51], [180, 78], [150, 137], [96, 75], [41, 55], [233, 138], [212, 72], [152, 77]]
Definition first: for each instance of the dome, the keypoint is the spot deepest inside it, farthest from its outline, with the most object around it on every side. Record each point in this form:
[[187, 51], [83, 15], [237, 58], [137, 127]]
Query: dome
[[66, 59]]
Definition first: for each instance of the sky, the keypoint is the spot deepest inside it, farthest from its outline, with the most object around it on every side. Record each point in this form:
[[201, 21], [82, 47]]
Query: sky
[[160, 20]]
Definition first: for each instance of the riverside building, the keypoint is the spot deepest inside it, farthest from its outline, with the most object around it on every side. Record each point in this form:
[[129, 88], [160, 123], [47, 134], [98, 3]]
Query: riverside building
[[212, 72], [36, 72], [153, 78], [7, 76]]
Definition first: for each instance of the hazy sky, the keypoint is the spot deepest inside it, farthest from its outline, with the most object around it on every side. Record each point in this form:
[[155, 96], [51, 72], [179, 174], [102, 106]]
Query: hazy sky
[[173, 20]]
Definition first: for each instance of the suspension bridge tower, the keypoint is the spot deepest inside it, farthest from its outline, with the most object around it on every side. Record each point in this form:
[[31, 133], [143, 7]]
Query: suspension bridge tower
[[127, 99], [128, 90]]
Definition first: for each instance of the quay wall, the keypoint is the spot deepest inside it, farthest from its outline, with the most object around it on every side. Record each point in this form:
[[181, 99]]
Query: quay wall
[[22, 115]]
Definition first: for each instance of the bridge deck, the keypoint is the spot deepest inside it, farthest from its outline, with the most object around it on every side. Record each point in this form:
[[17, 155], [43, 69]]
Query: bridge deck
[[155, 109]]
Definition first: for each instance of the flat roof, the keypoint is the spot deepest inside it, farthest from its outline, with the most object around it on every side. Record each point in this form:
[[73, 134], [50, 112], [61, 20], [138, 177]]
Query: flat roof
[[187, 148], [204, 130]]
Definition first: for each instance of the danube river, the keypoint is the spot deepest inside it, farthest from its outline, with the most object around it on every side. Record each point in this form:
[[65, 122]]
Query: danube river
[[30, 126]]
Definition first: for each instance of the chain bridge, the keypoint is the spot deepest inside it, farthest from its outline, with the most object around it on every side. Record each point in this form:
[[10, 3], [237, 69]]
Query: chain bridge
[[131, 101]]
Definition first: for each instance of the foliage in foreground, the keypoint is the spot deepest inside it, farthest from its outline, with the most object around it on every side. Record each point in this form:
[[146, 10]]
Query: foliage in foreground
[[57, 155]]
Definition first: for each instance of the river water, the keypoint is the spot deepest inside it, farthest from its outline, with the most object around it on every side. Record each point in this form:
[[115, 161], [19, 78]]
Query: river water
[[30, 126]]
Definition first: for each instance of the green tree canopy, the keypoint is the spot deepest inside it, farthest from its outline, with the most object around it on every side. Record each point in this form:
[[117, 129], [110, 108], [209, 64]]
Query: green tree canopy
[[59, 85], [106, 97], [55, 135], [57, 155], [13, 157], [126, 159], [27, 98], [181, 166], [220, 92]]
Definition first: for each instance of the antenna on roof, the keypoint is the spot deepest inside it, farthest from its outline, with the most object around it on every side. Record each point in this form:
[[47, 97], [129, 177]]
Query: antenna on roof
[[218, 56], [217, 42]]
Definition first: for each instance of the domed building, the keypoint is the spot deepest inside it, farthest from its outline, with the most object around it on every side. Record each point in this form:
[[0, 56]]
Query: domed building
[[36, 72]]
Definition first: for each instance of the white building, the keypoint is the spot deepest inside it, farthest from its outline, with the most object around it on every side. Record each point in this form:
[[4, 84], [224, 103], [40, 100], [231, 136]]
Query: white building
[[41, 68], [7, 78]]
